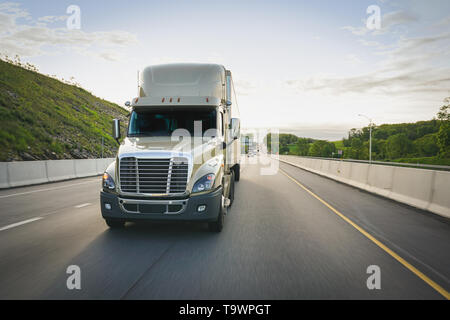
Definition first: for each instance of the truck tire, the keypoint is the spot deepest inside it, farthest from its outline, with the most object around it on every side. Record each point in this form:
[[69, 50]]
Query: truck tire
[[115, 223], [237, 172], [231, 196], [217, 226]]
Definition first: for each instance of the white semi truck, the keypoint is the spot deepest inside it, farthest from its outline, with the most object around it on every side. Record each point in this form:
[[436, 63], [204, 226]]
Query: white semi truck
[[180, 157]]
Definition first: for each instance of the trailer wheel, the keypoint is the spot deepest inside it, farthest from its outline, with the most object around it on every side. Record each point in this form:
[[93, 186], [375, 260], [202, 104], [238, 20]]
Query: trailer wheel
[[115, 223], [237, 172]]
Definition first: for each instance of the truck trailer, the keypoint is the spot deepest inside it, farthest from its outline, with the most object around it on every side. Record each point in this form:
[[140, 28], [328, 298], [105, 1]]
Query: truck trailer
[[180, 157]]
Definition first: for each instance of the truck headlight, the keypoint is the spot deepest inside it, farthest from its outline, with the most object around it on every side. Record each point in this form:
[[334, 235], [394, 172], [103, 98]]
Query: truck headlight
[[204, 183], [108, 182]]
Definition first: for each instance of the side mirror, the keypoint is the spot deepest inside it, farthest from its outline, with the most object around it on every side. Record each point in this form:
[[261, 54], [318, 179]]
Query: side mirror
[[228, 103], [235, 128], [127, 104], [116, 130]]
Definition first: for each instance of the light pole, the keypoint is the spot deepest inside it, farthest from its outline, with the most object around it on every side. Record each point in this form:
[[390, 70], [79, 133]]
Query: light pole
[[370, 136]]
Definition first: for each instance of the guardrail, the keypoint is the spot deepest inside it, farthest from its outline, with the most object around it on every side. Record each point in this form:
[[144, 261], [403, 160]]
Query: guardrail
[[24, 173], [388, 163], [422, 188]]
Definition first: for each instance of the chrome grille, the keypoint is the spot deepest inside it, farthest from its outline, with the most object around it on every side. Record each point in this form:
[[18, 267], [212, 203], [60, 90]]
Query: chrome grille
[[178, 177], [151, 176]]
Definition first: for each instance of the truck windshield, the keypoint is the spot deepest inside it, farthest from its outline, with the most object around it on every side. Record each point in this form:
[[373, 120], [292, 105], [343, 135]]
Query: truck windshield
[[163, 123]]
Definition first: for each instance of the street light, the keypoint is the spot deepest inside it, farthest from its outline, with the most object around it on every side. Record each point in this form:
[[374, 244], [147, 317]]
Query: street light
[[370, 136]]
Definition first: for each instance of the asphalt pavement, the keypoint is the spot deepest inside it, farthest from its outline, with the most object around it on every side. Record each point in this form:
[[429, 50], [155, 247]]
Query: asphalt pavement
[[279, 242]]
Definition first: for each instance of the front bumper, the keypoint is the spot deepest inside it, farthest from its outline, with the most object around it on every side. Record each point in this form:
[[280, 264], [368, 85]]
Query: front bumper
[[186, 209]]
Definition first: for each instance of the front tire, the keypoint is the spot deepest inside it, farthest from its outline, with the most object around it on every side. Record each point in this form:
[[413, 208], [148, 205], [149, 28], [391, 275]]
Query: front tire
[[217, 225], [237, 172], [115, 223]]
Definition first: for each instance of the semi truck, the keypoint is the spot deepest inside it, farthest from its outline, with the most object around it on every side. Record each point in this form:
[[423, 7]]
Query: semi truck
[[180, 157]]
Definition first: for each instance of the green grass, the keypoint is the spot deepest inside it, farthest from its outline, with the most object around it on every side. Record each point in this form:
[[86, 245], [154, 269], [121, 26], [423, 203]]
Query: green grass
[[339, 144], [43, 118], [293, 149], [425, 160]]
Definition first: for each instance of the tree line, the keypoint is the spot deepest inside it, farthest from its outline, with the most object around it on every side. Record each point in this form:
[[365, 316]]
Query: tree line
[[421, 142]]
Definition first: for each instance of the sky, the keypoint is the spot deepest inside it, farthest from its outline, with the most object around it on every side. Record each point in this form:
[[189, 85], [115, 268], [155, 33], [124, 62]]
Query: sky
[[304, 67]]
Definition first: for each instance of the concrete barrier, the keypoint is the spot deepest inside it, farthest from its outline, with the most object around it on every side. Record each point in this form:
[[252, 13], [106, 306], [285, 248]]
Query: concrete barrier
[[412, 186], [23, 173], [440, 199], [85, 168], [420, 188], [4, 182], [380, 179], [60, 170], [102, 164], [359, 174]]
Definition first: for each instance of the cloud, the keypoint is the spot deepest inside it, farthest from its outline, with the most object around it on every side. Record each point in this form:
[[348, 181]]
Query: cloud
[[416, 65], [244, 87], [421, 81], [443, 22], [391, 19], [13, 9], [358, 31], [353, 59], [111, 56], [28, 39], [369, 43], [413, 66], [52, 19]]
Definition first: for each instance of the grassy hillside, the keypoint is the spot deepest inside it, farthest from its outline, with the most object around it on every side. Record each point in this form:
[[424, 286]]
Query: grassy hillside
[[44, 118]]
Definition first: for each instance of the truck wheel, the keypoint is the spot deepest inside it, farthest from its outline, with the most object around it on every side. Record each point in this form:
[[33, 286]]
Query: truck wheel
[[115, 223], [237, 172], [217, 225], [231, 196]]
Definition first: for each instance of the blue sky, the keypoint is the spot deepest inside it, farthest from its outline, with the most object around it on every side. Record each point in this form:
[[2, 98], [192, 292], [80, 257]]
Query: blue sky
[[308, 67]]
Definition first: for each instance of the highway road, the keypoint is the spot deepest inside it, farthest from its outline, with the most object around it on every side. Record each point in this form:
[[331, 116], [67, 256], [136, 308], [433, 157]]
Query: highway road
[[280, 241]]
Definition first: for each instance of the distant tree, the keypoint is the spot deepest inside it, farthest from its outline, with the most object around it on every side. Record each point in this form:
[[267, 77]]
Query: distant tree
[[286, 138], [426, 146], [443, 135], [398, 146], [267, 141], [346, 142], [272, 143], [379, 149], [284, 149], [322, 148], [356, 147], [303, 146]]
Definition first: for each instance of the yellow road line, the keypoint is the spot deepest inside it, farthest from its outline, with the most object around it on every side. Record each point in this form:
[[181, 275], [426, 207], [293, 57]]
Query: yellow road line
[[414, 270]]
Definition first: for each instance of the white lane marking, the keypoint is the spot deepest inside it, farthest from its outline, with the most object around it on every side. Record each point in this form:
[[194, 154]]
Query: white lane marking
[[47, 189], [19, 223], [83, 205]]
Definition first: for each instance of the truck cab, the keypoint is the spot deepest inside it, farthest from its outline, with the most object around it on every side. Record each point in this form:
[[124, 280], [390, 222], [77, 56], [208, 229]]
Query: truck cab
[[180, 157]]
